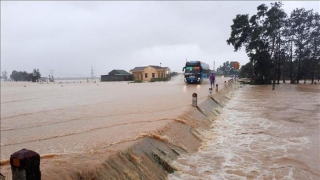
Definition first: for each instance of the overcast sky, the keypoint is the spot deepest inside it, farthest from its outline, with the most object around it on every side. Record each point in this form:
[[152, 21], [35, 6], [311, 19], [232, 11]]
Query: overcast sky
[[70, 37]]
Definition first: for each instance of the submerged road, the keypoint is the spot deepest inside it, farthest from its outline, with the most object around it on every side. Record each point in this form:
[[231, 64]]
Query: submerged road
[[78, 117]]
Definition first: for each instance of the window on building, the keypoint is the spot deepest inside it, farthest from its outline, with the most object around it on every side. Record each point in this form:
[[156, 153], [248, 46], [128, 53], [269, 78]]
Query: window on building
[[161, 74], [158, 75], [145, 75], [153, 75]]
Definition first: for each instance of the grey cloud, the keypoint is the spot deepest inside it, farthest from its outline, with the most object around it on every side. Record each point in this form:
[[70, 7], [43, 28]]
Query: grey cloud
[[70, 37]]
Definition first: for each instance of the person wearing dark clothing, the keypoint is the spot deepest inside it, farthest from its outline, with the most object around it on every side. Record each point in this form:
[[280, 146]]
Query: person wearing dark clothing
[[212, 78]]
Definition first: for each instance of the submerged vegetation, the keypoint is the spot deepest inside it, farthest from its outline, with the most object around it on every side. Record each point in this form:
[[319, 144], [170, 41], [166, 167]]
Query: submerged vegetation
[[279, 46]]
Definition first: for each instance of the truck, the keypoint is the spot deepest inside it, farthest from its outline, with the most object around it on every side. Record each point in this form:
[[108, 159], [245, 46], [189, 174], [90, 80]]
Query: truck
[[195, 72]]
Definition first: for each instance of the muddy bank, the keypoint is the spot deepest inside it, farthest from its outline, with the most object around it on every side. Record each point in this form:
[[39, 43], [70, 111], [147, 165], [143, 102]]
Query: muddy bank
[[147, 156]]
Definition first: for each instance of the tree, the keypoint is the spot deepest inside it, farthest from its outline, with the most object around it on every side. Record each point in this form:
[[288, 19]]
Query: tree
[[224, 69], [288, 45], [19, 75], [227, 69], [300, 36], [259, 37], [246, 71], [314, 45], [24, 76], [51, 78], [272, 41], [36, 75], [4, 75]]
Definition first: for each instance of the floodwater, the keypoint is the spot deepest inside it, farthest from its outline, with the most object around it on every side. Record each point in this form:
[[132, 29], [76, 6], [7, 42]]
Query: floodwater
[[261, 134], [73, 117]]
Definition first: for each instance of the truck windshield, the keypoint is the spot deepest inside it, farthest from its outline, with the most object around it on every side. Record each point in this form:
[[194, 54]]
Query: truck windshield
[[192, 69]]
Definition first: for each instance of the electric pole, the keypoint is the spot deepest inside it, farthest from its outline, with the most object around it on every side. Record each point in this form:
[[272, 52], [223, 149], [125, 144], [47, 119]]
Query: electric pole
[[214, 65], [51, 79], [92, 75]]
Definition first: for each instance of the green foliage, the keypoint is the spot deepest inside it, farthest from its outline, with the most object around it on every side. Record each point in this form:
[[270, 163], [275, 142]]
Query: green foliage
[[246, 71], [24, 76], [159, 79], [273, 42], [4, 75], [20, 76], [226, 69], [35, 75], [137, 81]]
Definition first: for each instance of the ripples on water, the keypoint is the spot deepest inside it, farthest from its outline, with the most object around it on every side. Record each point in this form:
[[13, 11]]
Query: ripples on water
[[261, 134], [74, 117]]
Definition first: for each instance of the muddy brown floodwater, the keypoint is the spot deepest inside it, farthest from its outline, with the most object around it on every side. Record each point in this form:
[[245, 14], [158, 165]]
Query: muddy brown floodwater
[[74, 118], [261, 134], [252, 133]]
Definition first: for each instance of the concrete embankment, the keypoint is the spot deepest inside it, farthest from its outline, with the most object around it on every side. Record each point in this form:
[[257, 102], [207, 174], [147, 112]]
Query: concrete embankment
[[148, 156]]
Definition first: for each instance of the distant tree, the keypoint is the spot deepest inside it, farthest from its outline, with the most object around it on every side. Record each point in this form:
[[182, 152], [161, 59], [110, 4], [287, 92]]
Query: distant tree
[[24, 76], [36, 75], [226, 69], [246, 71], [4, 75], [51, 78], [19, 75]]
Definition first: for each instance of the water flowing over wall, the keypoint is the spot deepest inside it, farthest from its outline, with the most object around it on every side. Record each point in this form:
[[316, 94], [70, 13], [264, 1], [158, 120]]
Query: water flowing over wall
[[147, 156]]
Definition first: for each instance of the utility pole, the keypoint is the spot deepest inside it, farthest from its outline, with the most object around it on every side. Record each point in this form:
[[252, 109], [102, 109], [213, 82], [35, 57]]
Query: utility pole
[[214, 65], [92, 73], [51, 73]]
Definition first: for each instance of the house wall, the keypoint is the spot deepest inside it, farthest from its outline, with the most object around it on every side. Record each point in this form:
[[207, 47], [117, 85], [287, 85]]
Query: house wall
[[151, 73], [137, 75], [161, 73], [116, 78]]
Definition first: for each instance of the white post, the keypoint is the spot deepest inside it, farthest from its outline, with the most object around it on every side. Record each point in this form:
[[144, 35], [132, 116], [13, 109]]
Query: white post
[[194, 99]]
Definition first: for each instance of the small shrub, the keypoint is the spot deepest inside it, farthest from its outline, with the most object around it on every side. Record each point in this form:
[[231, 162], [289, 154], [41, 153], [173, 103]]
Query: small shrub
[[137, 81]]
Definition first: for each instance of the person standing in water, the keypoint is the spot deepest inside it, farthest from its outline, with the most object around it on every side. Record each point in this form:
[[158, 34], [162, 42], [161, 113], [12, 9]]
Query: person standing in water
[[212, 78]]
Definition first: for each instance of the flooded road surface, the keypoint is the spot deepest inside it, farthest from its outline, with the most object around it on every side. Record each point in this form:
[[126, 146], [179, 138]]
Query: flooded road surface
[[77, 117], [261, 134]]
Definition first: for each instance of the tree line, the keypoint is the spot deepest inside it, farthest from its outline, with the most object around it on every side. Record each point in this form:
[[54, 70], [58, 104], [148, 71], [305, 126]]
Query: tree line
[[227, 69], [23, 75], [279, 46]]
